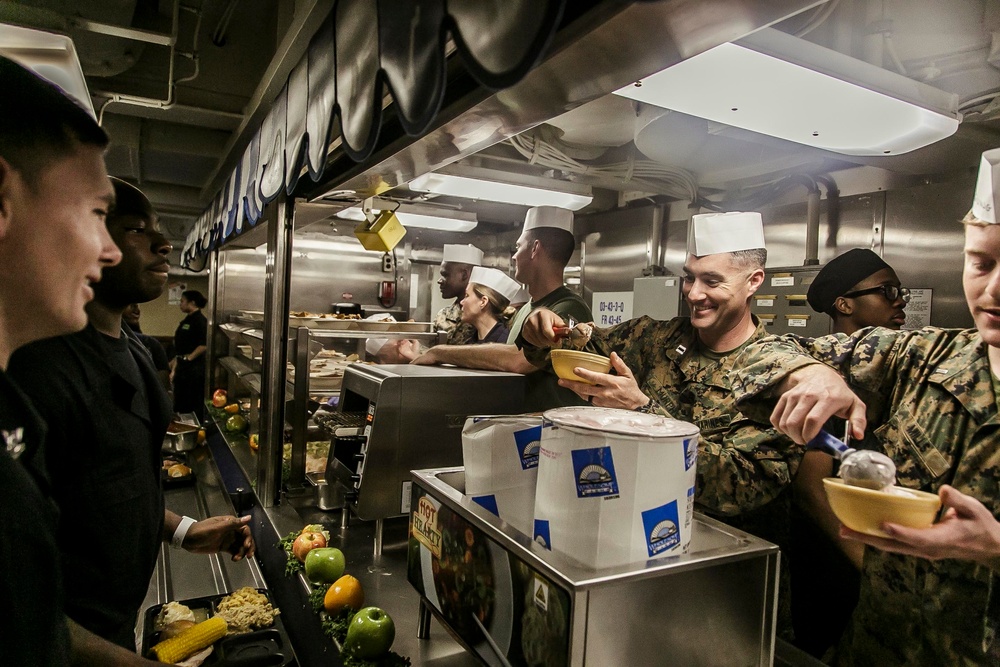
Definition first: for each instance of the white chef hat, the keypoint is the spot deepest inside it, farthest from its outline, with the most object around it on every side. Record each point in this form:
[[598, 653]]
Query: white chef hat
[[714, 233], [987, 198], [373, 345], [522, 296], [549, 216], [496, 279], [462, 254]]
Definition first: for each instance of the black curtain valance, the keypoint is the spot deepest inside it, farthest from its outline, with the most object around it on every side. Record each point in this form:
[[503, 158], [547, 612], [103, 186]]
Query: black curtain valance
[[364, 49]]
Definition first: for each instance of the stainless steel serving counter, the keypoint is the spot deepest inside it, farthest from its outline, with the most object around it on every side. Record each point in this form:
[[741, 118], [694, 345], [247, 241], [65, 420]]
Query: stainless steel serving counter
[[223, 469], [222, 485]]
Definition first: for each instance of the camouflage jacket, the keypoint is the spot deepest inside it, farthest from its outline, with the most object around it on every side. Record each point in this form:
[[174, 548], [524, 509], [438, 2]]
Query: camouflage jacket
[[742, 466], [449, 319], [932, 408]]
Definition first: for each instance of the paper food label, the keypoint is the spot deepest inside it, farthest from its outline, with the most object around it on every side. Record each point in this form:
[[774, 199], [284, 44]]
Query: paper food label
[[541, 533], [661, 526], [690, 452], [489, 502], [595, 472], [528, 441], [425, 525]]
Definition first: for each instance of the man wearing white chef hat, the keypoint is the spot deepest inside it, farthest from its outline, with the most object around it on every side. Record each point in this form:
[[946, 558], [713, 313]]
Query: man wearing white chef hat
[[457, 263], [928, 596], [680, 367], [540, 255]]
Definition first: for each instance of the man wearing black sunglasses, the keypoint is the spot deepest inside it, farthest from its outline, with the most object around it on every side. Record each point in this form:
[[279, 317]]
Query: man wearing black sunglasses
[[858, 289]]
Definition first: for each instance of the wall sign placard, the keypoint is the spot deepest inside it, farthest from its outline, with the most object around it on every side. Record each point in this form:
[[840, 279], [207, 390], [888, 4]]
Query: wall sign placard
[[918, 310], [611, 308]]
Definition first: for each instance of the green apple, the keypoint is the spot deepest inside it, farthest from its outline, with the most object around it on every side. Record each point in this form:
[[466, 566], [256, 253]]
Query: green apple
[[325, 565], [370, 634]]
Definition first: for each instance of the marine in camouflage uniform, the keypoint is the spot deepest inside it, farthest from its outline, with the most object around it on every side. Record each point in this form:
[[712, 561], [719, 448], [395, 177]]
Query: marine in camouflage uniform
[[449, 319], [931, 399]]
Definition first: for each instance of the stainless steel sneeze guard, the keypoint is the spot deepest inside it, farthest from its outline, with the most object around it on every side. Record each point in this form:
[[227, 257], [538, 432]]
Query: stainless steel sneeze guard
[[715, 605]]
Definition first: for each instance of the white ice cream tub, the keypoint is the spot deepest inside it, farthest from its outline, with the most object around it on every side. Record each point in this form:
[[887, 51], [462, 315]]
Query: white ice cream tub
[[615, 486], [501, 465]]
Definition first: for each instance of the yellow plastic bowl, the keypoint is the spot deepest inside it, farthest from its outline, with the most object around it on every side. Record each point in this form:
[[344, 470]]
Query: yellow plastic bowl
[[865, 510], [564, 361]]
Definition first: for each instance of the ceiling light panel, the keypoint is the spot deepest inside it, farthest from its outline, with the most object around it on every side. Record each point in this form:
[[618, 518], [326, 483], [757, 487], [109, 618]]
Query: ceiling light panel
[[413, 216], [832, 102], [490, 190]]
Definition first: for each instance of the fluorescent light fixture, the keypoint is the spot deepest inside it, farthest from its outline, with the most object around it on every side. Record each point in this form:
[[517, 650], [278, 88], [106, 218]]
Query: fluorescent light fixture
[[781, 86], [422, 217], [469, 185]]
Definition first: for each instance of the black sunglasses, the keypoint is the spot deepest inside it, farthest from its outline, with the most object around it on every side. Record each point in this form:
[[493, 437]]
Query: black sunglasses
[[890, 292]]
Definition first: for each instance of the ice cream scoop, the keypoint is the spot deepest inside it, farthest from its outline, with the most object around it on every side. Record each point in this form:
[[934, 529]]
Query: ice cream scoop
[[865, 468]]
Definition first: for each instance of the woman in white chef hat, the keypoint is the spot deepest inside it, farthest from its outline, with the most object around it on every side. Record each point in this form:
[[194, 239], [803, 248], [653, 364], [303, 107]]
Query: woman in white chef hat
[[487, 295]]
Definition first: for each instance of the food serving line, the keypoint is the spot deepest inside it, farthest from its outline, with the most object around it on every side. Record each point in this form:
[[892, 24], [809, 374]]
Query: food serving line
[[717, 600]]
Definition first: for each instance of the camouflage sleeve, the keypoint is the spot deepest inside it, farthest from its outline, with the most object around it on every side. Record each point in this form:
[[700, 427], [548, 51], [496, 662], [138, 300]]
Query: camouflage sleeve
[[867, 359], [744, 468], [463, 334]]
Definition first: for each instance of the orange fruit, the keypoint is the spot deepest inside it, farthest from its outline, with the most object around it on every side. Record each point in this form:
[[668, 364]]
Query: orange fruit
[[201, 435], [232, 408], [344, 593]]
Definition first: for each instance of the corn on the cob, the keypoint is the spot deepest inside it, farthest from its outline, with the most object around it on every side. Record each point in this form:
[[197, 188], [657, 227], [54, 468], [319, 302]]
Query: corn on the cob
[[190, 641]]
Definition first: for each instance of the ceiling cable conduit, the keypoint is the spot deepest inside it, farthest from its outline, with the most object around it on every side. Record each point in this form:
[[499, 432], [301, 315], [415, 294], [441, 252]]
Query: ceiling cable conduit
[[644, 174], [170, 101]]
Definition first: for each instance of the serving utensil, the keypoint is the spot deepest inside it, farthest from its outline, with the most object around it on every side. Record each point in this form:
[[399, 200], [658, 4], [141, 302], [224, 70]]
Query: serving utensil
[[569, 331], [864, 468]]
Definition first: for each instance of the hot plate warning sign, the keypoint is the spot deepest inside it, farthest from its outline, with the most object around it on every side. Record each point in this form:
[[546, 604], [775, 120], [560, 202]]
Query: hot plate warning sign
[[425, 525]]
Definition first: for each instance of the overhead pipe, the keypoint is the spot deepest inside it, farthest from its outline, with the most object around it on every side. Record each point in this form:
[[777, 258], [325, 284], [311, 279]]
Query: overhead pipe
[[812, 217], [171, 82], [832, 209]]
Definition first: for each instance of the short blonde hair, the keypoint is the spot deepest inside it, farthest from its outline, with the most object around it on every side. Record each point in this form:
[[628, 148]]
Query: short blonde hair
[[971, 219]]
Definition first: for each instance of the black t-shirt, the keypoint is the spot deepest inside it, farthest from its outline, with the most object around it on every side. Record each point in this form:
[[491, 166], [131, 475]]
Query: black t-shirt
[[34, 630], [106, 414], [191, 332], [498, 334]]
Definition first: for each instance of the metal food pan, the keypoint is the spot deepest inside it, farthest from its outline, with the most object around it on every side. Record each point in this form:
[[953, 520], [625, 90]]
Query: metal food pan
[[180, 437]]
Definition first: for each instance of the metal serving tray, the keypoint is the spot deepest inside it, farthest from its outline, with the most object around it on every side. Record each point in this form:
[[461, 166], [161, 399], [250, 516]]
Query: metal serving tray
[[266, 647], [510, 601]]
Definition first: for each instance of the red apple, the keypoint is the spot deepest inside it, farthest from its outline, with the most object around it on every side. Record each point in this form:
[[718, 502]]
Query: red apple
[[219, 398], [305, 543]]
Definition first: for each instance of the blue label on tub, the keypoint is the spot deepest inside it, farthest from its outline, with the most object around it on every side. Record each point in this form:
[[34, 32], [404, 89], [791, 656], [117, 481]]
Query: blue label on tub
[[489, 502], [595, 472], [690, 452], [662, 528], [542, 533], [527, 441]]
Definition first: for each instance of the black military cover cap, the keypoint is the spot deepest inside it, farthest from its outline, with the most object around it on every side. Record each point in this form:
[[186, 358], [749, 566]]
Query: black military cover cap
[[840, 275]]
